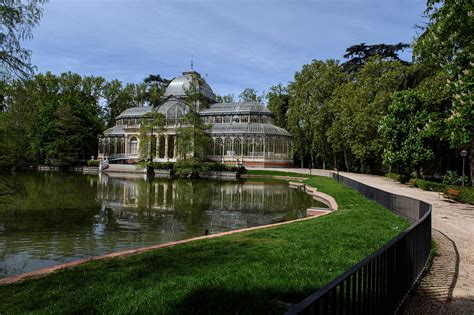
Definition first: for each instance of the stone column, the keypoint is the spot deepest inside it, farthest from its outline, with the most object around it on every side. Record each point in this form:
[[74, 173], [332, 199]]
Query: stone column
[[253, 148], [166, 146], [157, 150], [174, 147]]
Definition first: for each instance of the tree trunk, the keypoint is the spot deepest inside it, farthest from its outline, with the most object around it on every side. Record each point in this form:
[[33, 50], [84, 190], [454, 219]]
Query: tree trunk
[[471, 164], [362, 166], [345, 161]]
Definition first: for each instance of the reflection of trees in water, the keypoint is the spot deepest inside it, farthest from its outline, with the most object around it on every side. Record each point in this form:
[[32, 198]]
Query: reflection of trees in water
[[62, 217]]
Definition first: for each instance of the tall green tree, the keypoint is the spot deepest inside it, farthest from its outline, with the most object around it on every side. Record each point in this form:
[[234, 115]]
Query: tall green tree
[[357, 106], [17, 19], [250, 95], [194, 135], [52, 119], [278, 102], [151, 126], [407, 129], [447, 41], [359, 54], [118, 98], [229, 98], [308, 115], [155, 88]]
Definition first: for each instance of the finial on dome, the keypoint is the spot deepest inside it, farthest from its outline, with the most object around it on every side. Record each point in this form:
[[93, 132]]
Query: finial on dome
[[192, 64]]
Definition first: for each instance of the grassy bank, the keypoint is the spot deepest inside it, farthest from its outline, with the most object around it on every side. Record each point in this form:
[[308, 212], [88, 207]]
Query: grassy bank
[[259, 271]]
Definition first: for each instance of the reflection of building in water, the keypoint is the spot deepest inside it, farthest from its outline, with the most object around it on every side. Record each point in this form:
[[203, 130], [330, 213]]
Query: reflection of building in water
[[215, 205]]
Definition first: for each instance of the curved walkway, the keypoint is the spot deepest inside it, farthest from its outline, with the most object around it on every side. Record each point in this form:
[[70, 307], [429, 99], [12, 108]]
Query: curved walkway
[[449, 287]]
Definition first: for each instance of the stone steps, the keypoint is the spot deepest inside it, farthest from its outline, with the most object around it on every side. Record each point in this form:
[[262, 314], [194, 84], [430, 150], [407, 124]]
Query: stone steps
[[124, 168]]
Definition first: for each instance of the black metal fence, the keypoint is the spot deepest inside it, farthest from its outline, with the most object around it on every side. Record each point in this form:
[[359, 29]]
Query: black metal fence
[[380, 283]]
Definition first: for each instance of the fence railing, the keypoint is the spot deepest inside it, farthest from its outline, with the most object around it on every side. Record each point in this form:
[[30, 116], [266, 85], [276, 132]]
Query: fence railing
[[379, 283]]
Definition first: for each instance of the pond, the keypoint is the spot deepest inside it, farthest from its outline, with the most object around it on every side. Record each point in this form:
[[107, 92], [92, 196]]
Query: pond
[[52, 218]]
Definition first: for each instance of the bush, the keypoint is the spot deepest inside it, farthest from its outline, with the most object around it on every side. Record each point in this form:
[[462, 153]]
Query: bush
[[466, 195], [163, 165], [427, 185], [93, 163], [189, 167], [452, 178], [219, 167]]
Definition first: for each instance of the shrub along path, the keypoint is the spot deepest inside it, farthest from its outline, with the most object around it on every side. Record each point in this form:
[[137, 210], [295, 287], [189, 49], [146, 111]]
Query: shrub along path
[[451, 281], [258, 271]]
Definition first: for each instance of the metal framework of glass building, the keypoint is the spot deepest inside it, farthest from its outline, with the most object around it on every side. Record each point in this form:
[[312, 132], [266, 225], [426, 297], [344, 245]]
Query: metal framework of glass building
[[242, 133]]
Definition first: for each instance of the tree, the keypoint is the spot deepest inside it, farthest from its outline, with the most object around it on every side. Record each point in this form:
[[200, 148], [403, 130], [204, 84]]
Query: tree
[[250, 95], [51, 119], [407, 129], [278, 102], [118, 98], [308, 116], [447, 41], [155, 88], [17, 19], [358, 106], [193, 135], [359, 54], [229, 98], [152, 124]]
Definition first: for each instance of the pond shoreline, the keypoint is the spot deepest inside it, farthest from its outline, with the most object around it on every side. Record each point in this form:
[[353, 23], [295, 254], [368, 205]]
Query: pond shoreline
[[124, 253], [129, 213]]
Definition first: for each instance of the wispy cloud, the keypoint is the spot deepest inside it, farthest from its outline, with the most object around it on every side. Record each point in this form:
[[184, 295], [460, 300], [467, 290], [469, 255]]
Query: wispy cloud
[[238, 44]]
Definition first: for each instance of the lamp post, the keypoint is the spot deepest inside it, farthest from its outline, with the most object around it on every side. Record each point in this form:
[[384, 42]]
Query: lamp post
[[463, 154]]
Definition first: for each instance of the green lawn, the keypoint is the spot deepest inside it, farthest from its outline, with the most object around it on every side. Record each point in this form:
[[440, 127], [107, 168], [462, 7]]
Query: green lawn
[[260, 271]]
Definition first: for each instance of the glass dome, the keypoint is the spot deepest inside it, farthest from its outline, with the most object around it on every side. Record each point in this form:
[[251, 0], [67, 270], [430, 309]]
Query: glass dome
[[179, 85]]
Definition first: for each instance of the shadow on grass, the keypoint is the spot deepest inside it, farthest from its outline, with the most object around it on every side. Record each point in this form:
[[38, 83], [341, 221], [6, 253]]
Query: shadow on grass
[[224, 301]]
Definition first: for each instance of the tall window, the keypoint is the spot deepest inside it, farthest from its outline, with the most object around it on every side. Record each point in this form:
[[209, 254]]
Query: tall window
[[174, 115], [133, 146], [237, 147], [228, 147], [218, 147]]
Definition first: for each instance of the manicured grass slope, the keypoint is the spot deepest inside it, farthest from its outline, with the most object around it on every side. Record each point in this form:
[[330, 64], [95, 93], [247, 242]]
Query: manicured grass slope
[[258, 271]]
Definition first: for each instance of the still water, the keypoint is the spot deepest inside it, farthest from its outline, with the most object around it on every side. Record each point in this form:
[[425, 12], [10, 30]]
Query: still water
[[58, 217]]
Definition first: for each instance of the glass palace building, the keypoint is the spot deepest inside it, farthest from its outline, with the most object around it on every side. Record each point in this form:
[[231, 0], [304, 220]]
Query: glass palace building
[[242, 133]]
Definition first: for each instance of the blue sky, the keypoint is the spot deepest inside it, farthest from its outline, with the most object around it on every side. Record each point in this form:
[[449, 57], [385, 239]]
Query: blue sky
[[234, 43]]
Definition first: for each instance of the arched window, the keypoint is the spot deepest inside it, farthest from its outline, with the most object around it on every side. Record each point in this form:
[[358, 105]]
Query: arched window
[[228, 147], [237, 147], [174, 115], [133, 145], [161, 147], [269, 147], [120, 146], [258, 147], [247, 147], [218, 147]]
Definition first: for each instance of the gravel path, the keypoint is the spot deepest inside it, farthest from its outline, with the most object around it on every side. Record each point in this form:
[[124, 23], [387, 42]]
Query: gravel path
[[449, 287]]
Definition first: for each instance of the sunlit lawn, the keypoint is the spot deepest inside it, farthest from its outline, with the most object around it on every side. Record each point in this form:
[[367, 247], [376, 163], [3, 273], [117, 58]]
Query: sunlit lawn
[[261, 271]]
